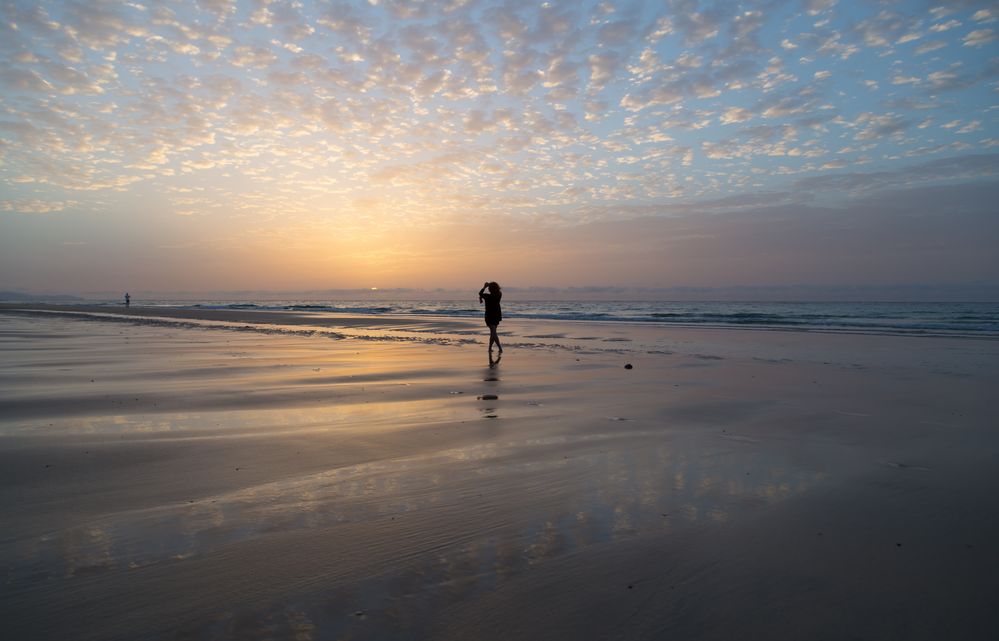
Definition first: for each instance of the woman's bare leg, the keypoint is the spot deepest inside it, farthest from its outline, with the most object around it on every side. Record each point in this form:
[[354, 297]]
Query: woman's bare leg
[[494, 338]]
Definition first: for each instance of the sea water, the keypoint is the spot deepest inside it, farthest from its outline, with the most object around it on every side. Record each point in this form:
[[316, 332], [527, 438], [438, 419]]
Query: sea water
[[927, 318]]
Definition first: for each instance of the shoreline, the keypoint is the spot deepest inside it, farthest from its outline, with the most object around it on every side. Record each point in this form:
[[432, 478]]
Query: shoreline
[[329, 320]]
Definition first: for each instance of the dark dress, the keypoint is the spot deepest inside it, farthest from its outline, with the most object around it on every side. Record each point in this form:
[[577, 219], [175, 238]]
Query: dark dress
[[493, 313]]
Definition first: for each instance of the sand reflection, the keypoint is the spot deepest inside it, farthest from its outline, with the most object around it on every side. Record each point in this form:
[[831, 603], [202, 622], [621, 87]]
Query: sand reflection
[[612, 487]]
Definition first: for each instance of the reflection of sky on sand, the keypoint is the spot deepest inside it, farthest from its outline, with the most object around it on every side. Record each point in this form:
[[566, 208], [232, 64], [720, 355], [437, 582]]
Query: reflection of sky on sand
[[366, 413], [701, 347], [603, 488], [253, 423]]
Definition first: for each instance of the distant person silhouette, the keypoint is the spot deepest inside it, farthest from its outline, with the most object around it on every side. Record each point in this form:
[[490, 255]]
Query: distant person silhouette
[[128, 299], [493, 313]]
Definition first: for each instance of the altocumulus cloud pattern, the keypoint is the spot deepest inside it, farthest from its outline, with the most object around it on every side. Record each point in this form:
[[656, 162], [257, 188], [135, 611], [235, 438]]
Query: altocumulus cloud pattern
[[561, 111]]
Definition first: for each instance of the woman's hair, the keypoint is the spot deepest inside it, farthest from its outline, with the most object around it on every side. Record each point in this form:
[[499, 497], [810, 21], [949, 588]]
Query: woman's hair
[[494, 288]]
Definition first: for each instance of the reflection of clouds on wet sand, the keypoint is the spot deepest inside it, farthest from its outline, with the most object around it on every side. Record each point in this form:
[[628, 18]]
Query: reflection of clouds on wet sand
[[603, 490], [610, 511]]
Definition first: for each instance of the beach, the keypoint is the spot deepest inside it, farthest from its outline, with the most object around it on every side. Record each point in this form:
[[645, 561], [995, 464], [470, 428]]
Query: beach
[[232, 474]]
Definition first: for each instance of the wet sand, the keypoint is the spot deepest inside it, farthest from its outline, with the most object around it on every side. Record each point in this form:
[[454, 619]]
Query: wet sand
[[235, 475]]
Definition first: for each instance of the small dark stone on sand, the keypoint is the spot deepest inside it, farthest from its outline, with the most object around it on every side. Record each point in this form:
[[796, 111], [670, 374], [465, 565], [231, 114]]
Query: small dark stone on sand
[[628, 366], [630, 587], [898, 545], [359, 613], [488, 397]]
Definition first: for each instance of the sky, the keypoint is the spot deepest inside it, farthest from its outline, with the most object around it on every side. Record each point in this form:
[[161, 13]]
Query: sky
[[298, 145]]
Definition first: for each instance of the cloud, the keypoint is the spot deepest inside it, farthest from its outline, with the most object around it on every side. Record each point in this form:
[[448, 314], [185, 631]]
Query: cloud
[[882, 29], [249, 56], [932, 45], [815, 7], [452, 109], [947, 169], [940, 27], [984, 16], [735, 114], [762, 140], [974, 125], [617, 33], [695, 26], [217, 7], [14, 79], [979, 38], [874, 126], [103, 23], [603, 68], [35, 206]]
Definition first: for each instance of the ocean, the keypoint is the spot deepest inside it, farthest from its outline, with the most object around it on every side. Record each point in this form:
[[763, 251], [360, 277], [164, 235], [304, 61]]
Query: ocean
[[934, 319]]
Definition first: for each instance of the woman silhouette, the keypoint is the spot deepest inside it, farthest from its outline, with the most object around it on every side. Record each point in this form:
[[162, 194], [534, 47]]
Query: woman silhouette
[[493, 313]]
